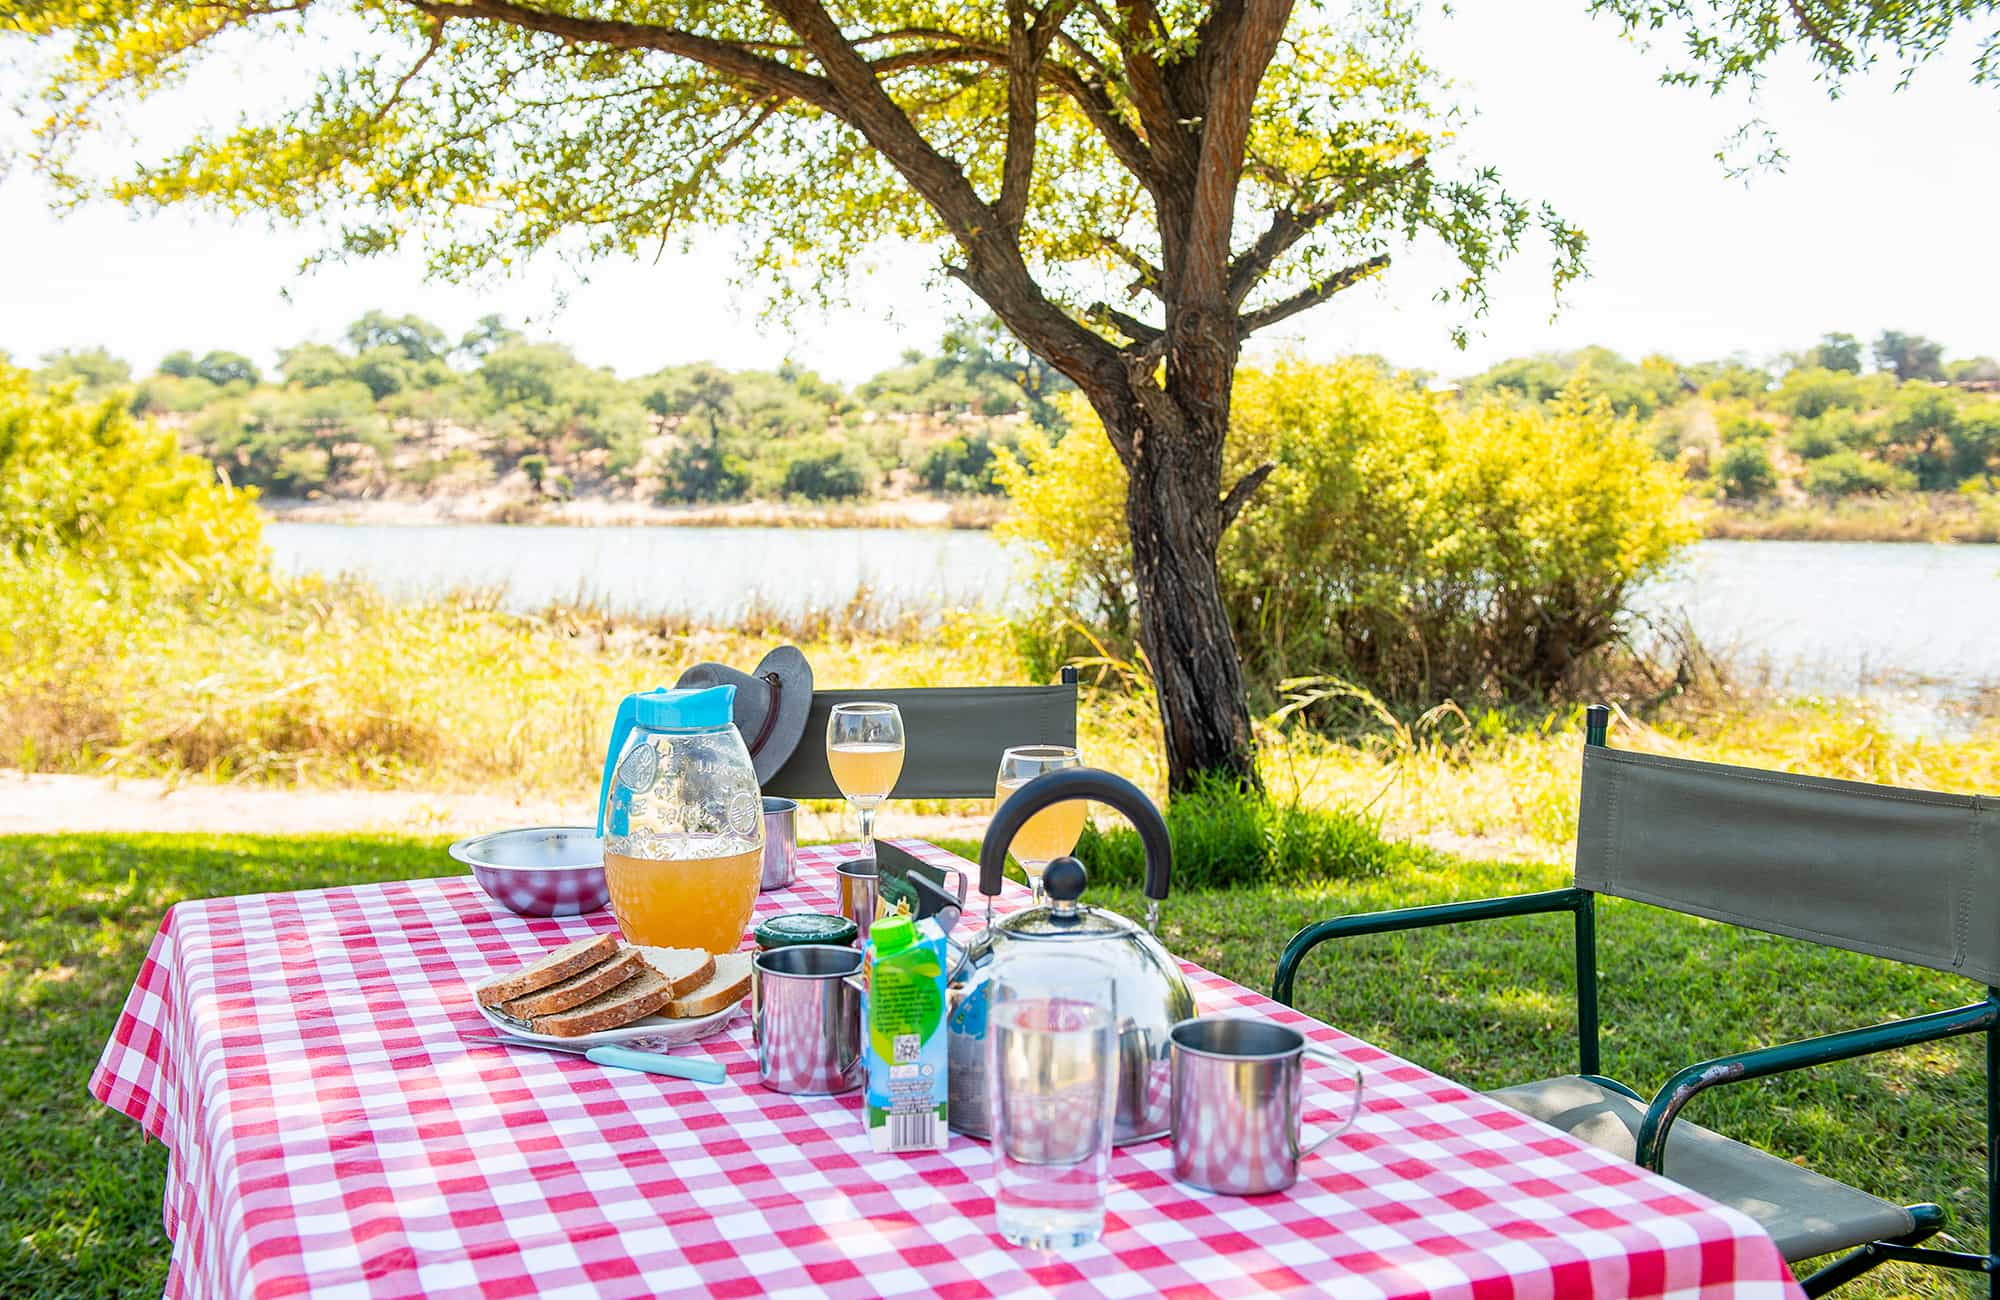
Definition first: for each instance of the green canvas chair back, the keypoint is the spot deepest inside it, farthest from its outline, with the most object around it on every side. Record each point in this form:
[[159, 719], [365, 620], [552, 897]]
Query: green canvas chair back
[[954, 737], [1905, 874]]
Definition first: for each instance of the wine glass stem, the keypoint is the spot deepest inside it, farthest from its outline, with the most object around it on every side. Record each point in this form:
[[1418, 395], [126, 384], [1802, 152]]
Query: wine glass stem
[[866, 812], [1035, 883]]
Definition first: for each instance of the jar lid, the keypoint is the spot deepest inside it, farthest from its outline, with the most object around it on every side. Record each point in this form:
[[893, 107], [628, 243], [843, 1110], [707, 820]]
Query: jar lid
[[804, 927]]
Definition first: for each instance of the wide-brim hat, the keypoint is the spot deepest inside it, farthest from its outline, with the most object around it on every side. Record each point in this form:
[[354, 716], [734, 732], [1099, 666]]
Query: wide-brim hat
[[772, 702]]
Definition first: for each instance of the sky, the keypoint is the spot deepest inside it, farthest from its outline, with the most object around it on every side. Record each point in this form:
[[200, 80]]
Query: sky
[[1883, 218]]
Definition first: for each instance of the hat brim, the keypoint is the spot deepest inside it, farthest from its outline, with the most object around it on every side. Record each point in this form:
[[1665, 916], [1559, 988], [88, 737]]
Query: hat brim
[[788, 664], [787, 667]]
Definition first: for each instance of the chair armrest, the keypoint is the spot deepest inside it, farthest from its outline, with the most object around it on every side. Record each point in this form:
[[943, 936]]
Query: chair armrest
[[1414, 918], [1978, 1017]]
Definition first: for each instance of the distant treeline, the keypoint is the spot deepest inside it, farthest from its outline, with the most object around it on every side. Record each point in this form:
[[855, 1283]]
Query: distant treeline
[[1815, 425], [400, 408]]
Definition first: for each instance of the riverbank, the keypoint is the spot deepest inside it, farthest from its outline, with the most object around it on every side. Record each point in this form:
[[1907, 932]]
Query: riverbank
[[1902, 517], [1906, 517], [609, 512]]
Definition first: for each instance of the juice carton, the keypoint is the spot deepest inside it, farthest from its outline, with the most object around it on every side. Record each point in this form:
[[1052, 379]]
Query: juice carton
[[903, 1035]]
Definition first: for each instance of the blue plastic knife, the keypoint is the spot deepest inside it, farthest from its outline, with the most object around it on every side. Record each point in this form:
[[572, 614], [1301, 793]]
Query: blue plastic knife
[[624, 1058]]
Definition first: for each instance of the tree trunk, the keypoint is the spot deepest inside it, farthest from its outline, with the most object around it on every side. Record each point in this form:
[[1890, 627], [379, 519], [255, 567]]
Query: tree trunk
[[1174, 517]]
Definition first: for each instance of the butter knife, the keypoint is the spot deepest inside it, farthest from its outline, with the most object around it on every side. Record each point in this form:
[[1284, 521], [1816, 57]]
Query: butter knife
[[624, 1058]]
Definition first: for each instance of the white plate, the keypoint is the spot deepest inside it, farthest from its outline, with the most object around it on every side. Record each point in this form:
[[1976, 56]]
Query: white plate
[[657, 1031]]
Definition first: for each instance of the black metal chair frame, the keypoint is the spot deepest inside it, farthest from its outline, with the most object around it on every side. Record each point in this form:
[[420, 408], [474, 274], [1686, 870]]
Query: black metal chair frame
[[1982, 1017]]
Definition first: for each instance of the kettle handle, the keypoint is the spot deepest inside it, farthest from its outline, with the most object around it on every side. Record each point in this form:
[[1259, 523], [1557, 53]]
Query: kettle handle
[[621, 727], [1078, 783]]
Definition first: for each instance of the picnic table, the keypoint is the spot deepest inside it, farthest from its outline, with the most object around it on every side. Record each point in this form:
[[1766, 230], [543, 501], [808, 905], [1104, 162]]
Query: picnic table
[[330, 1133]]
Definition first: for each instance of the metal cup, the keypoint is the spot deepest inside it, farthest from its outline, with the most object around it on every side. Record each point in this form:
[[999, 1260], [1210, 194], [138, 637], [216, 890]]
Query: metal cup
[[1237, 1099], [860, 894], [805, 1015], [781, 843]]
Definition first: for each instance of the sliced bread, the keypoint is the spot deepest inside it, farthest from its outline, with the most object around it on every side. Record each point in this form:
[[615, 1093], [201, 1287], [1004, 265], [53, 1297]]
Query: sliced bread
[[552, 968], [635, 999], [729, 985], [687, 969], [577, 989]]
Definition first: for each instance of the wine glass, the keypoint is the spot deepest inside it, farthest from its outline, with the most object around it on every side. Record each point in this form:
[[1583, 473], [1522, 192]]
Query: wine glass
[[1051, 832], [864, 751]]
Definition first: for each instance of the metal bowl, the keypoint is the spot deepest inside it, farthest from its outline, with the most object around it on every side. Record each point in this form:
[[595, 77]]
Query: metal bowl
[[539, 870]]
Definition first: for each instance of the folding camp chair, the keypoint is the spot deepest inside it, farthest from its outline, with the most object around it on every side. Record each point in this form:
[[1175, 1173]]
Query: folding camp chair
[[953, 735], [1909, 875]]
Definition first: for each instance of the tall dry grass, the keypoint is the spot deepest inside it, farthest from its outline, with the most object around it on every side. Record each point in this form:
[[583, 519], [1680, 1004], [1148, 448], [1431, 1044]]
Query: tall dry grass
[[1901, 517], [333, 684]]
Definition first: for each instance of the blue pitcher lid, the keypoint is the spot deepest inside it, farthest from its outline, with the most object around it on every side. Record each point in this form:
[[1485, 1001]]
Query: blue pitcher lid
[[706, 709]]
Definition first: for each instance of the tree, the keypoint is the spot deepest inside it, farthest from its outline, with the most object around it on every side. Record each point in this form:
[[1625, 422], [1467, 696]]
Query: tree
[[1133, 189], [225, 368], [93, 369], [1745, 471], [413, 336], [488, 336], [180, 365], [314, 365], [1834, 352], [1909, 356]]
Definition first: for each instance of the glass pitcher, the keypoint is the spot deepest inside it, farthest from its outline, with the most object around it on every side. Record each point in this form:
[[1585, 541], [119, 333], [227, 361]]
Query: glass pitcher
[[682, 821]]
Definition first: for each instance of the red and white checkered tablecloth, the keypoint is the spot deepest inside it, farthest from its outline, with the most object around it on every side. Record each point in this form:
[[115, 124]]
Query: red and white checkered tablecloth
[[330, 1133]]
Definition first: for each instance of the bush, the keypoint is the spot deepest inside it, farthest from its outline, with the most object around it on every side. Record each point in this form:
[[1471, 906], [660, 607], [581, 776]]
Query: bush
[[1823, 435], [1417, 547], [964, 465], [1224, 840], [823, 469], [89, 483], [1846, 473], [1745, 471]]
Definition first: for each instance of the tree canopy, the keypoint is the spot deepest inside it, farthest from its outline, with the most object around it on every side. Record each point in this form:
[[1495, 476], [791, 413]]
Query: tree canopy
[[1729, 42]]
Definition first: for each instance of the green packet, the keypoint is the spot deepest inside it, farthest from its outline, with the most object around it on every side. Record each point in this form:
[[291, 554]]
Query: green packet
[[903, 1024]]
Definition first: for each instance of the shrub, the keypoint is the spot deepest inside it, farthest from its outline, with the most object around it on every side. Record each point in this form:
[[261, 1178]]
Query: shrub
[[1417, 547], [823, 469], [1224, 839], [89, 483], [964, 465], [1846, 473], [1823, 435], [1745, 472], [1807, 393]]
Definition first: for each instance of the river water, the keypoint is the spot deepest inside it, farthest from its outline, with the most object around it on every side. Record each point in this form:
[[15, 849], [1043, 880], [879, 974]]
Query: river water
[[1911, 624]]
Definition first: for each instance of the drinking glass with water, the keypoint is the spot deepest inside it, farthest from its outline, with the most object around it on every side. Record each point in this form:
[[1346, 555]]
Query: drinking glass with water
[[1053, 1090]]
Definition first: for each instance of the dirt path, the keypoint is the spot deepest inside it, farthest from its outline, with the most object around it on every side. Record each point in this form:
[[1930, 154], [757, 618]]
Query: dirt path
[[34, 805]]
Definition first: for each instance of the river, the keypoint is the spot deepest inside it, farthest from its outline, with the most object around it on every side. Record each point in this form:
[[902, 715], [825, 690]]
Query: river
[[1912, 624]]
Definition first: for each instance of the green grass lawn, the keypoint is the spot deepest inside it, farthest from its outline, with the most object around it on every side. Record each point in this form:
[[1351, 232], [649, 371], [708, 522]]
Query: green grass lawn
[[1488, 1004]]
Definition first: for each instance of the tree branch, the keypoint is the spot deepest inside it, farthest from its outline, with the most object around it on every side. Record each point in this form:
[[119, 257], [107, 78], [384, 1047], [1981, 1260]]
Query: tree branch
[[1233, 60], [1028, 38], [1130, 326], [1290, 225], [1246, 487], [1271, 314], [994, 267], [721, 56]]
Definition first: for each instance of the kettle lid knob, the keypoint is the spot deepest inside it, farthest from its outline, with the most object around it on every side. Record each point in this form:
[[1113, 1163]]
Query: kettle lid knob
[[1063, 880]]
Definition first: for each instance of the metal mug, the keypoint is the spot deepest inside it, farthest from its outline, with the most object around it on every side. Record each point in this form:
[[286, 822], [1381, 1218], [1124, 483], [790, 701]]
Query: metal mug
[[805, 1017], [781, 843], [1237, 1099], [860, 894]]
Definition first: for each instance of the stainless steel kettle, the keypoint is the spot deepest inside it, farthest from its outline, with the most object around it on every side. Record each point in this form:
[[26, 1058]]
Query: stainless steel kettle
[[1151, 992]]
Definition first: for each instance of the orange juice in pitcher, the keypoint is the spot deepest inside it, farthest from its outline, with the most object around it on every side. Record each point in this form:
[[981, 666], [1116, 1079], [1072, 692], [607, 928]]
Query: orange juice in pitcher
[[682, 821]]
